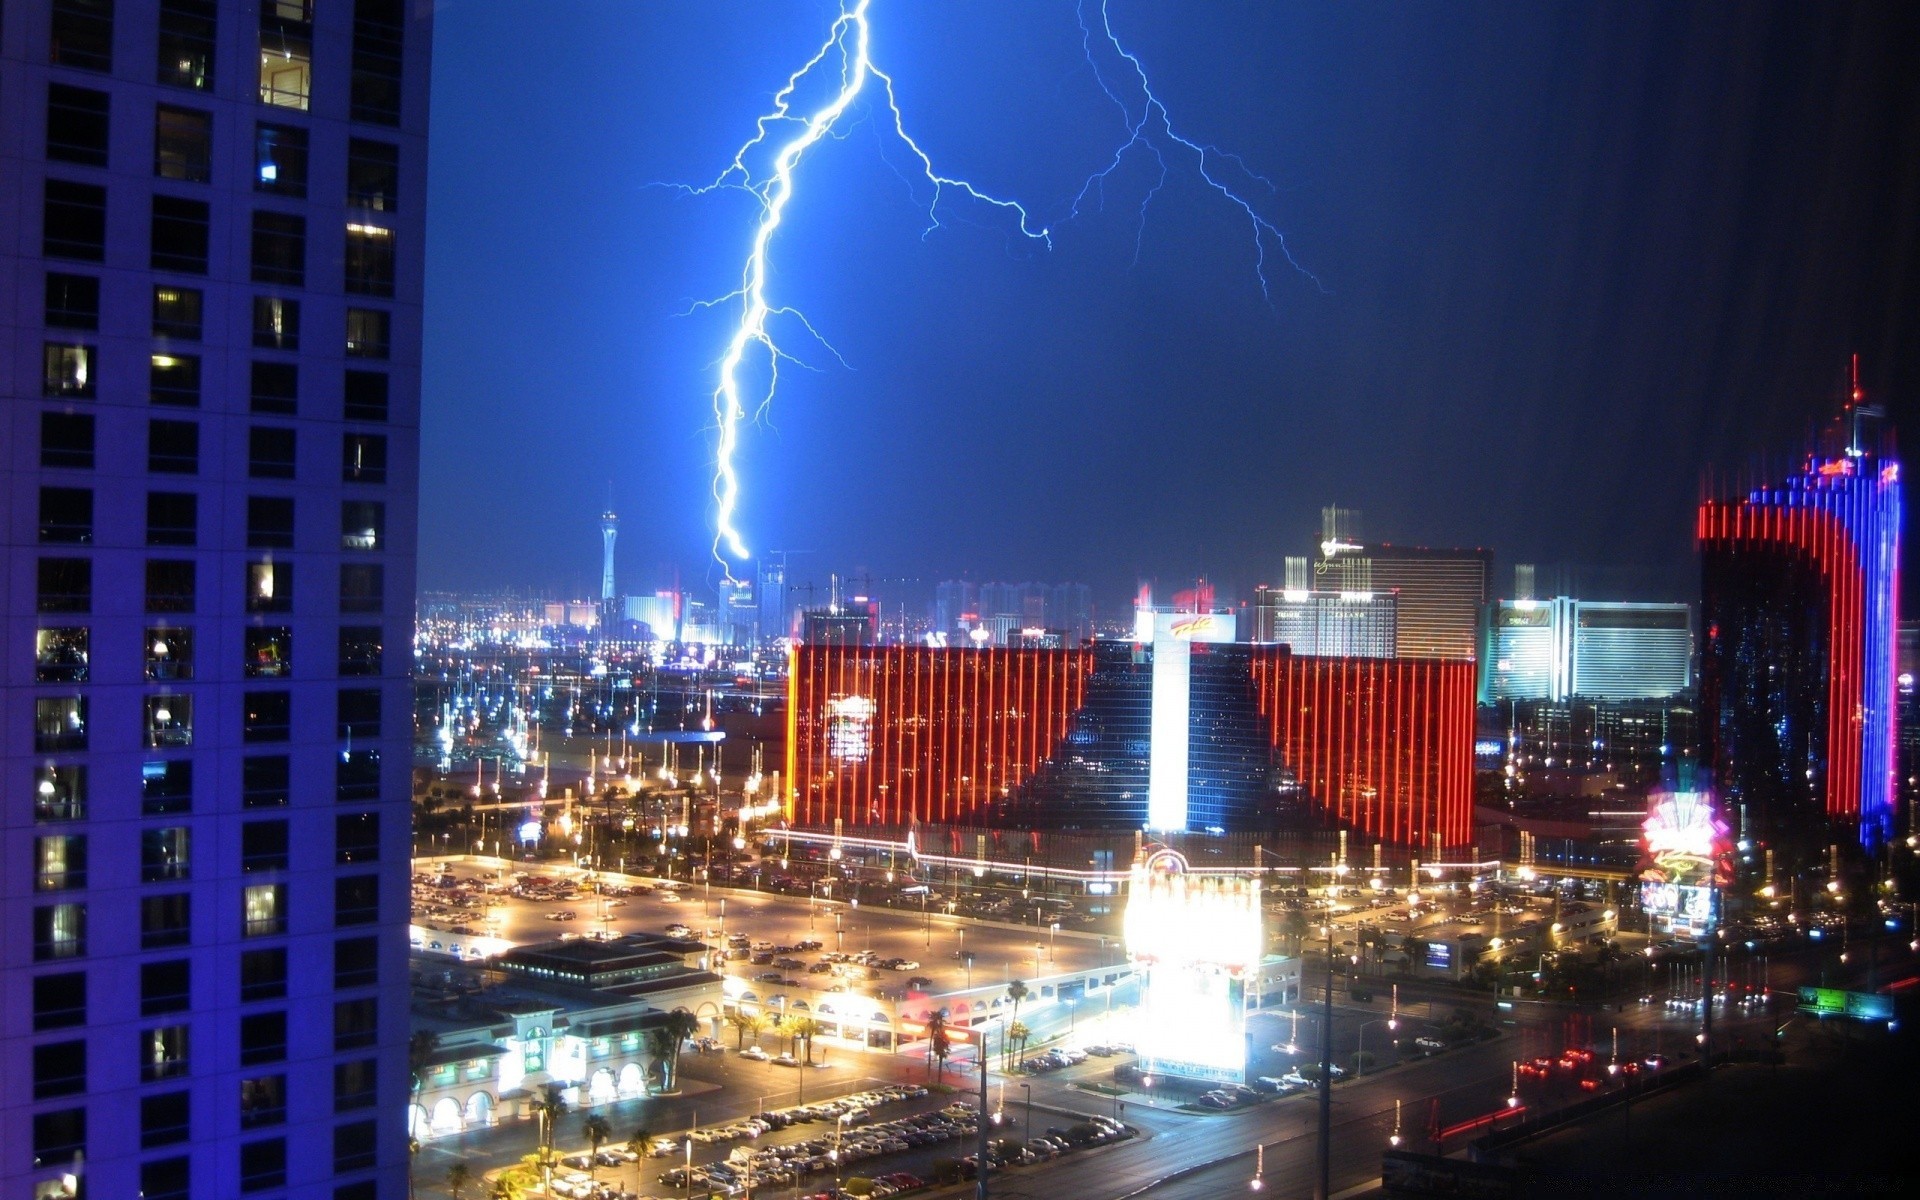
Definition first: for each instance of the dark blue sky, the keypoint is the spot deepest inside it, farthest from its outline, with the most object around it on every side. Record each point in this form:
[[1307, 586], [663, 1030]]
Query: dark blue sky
[[1571, 255]]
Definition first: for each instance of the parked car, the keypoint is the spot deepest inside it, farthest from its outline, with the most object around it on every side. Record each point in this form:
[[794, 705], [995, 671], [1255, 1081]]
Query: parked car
[[755, 1053]]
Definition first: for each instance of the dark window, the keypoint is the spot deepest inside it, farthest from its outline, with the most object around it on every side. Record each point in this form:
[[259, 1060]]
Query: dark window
[[76, 125], [165, 854], [369, 260], [266, 717], [369, 334], [362, 587], [359, 713], [166, 787], [74, 221], [356, 775], [165, 987], [82, 34], [163, 1053], [263, 974], [363, 525], [66, 515], [165, 920], [66, 371], [263, 1165], [60, 862], [182, 143], [186, 43], [59, 792], [66, 440], [174, 379], [59, 931], [356, 963], [169, 586], [269, 587], [279, 248], [366, 1189], [356, 1023], [169, 653], [263, 846], [263, 1101], [363, 458], [60, 723], [366, 396], [377, 38], [269, 652], [59, 1137], [280, 160], [173, 518], [64, 585], [276, 323], [361, 649], [265, 780], [353, 1146], [264, 910], [167, 1178], [179, 235], [168, 721], [263, 1038], [60, 1001], [61, 654], [173, 447], [276, 388], [356, 838], [373, 174], [270, 522], [270, 452], [286, 52], [73, 301], [163, 1121], [59, 1069], [355, 1084], [356, 899], [176, 312]]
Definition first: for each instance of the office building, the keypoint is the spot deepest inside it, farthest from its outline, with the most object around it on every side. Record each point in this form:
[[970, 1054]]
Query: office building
[[1799, 597], [211, 295], [1558, 648], [1440, 594], [1334, 624]]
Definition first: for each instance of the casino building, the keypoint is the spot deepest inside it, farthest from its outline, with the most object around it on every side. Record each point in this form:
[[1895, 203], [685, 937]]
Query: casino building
[[1179, 728]]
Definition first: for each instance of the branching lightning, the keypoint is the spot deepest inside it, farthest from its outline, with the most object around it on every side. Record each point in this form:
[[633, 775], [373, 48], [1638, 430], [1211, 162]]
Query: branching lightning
[[846, 52]]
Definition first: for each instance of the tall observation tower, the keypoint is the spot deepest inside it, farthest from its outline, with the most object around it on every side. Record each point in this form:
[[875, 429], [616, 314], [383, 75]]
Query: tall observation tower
[[609, 529]]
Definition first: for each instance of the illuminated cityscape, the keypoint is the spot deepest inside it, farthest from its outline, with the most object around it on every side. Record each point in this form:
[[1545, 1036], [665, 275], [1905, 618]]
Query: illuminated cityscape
[[1097, 598]]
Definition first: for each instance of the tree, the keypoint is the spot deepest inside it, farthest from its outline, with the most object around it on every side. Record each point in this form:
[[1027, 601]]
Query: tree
[[1016, 992], [459, 1175], [641, 1142], [598, 1133], [804, 1028], [1415, 950], [938, 1044], [1295, 925], [1018, 1033], [745, 1023], [682, 1025], [549, 1106]]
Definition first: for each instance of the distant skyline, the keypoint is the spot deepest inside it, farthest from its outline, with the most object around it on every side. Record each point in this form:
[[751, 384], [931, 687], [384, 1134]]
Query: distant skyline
[[1572, 257]]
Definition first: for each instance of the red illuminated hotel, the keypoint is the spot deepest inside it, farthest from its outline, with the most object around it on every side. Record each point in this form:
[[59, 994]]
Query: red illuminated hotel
[[1179, 729]]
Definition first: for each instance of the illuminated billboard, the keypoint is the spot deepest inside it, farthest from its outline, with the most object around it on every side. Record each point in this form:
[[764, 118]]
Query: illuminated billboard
[[1685, 848], [1196, 941], [850, 728]]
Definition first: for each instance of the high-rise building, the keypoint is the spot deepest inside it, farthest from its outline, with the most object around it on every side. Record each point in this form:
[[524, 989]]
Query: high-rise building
[[1338, 624], [1602, 650], [216, 214], [776, 617], [1441, 595], [1799, 602]]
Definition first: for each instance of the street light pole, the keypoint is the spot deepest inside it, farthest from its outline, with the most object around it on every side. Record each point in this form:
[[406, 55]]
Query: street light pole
[[1323, 1189]]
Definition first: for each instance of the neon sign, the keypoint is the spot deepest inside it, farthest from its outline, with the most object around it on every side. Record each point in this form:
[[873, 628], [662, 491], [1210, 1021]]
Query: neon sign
[[1685, 840]]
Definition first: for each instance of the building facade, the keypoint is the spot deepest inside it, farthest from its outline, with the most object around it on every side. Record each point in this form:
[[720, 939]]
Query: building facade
[[1602, 650], [1441, 594], [1799, 603], [1336, 624], [210, 289]]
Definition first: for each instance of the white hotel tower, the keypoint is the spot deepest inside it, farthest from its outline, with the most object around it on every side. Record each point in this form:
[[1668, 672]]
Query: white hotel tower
[[211, 237]]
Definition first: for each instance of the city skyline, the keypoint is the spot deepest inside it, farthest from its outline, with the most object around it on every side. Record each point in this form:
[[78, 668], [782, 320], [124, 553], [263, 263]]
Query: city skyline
[[1567, 258]]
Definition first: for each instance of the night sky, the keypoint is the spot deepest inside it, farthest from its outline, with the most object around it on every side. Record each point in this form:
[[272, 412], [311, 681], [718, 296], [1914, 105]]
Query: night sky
[[1568, 257]]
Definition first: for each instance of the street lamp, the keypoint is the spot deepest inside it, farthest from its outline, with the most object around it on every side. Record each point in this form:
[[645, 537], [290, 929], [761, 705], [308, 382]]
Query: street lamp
[[1360, 1055], [1028, 1089], [1259, 1169]]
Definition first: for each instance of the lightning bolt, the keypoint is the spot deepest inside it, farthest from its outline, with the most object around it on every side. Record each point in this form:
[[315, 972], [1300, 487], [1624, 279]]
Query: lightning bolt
[[846, 49], [1146, 132]]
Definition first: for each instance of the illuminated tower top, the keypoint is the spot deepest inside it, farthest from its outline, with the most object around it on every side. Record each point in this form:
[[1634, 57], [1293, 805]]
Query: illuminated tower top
[[609, 529]]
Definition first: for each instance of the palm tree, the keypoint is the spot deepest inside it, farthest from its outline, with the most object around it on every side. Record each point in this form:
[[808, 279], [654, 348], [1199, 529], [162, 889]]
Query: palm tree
[[1296, 925], [641, 1142], [413, 1156], [420, 1048], [745, 1023], [459, 1175], [938, 1045], [664, 1050], [681, 1025], [1016, 992], [804, 1028], [1018, 1033], [550, 1105], [598, 1133]]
